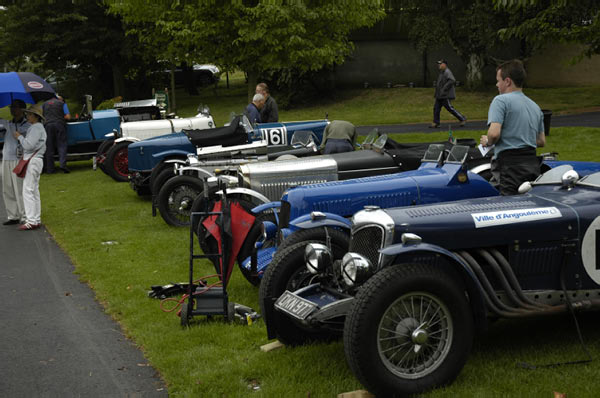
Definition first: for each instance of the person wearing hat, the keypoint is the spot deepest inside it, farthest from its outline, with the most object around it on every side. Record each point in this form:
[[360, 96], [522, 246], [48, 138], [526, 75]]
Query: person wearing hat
[[55, 124], [444, 93], [12, 186], [34, 147]]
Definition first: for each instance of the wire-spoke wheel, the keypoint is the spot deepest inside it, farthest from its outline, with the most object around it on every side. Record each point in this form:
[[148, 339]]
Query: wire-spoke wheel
[[117, 162], [176, 197], [413, 337], [410, 329]]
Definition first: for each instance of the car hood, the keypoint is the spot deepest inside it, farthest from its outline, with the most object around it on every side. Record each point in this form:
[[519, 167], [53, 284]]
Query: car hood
[[144, 155], [493, 221], [428, 184]]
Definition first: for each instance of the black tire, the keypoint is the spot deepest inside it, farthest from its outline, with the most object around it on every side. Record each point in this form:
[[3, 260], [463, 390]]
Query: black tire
[[287, 271], [248, 246], [199, 205], [116, 163], [380, 323], [156, 171], [101, 153], [176, 197], [184, 316], [161, 179], [338, 237]]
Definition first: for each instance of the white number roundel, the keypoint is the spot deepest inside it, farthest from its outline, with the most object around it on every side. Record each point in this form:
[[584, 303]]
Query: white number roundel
[[589, 250]]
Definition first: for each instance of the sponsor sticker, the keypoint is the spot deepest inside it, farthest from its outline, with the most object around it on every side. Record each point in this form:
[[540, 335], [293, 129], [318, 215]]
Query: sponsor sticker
[[495, 218], [35, 85]]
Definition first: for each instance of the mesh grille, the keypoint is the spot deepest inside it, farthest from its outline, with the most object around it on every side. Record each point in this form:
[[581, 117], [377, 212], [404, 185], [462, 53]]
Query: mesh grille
[[367, 241]]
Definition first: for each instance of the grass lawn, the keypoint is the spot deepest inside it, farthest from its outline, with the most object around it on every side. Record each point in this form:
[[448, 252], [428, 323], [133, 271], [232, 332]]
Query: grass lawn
[[381, 105], [84, 210]]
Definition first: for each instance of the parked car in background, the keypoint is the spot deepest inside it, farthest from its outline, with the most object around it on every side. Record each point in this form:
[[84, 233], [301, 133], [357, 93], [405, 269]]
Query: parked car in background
[[150, 158], [418, 282], [113, 158]]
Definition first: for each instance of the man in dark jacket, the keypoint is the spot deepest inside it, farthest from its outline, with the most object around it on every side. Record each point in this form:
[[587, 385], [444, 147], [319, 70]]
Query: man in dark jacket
[[56, 130], [253, 109], [269, 112], [444, 92]]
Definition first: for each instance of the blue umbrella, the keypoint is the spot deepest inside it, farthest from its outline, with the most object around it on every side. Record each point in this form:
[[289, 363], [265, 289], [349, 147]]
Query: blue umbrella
[[25, 86]]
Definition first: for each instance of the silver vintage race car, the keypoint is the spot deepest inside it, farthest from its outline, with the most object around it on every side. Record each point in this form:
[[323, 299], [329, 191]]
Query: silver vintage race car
[[256, 183]]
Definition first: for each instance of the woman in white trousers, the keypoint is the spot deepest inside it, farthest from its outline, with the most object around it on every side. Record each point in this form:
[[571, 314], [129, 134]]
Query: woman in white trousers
[[34, 147]]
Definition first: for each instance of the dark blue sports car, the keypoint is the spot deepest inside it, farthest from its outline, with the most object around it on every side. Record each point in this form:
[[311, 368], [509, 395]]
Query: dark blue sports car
[[418, 282]]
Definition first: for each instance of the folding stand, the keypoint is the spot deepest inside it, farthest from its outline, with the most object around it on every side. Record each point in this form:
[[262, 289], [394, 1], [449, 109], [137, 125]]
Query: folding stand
[[206, 299]]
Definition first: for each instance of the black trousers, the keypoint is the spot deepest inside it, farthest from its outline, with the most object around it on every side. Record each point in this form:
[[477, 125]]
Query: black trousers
[[445, 102], [512, 168], [56, 141]]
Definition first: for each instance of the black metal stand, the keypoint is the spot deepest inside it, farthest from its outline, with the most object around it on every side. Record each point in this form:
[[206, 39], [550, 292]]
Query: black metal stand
[[203, 299]]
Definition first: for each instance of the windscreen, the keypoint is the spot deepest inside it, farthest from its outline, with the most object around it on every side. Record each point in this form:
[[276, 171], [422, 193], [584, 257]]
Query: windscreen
[[553, 176], [433, 153], [457, 154]]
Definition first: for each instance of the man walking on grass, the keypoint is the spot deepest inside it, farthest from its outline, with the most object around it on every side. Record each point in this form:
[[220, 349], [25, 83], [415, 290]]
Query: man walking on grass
[[444, 93]]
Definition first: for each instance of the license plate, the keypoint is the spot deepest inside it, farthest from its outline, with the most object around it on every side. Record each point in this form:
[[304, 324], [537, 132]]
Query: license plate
[[94, 163], [294, 305]]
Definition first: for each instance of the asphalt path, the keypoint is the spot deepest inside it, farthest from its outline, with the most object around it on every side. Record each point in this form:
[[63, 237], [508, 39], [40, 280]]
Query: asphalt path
[[588, 119], [55, 339]]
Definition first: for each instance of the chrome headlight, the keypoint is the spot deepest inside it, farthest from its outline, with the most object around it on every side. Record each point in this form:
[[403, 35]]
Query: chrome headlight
[[355, 268], [317, 257]]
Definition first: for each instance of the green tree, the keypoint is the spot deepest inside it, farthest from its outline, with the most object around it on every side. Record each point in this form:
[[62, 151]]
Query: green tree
[[469, 26], [75, 38], [258, 37], [567, 21]]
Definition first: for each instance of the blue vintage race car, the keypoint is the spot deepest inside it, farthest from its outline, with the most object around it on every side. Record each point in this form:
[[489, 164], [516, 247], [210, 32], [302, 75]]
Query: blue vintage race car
[[418, 282], [149, 158], [305, 211], [92, 128]]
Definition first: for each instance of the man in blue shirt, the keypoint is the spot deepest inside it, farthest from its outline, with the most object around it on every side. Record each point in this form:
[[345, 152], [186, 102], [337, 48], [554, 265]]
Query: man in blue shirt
[[515, 129], [253, 108]]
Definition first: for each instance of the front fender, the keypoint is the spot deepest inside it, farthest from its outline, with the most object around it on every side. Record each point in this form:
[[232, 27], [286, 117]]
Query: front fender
[[330, 220], [171, 152], [201, 172], [175, 161], [474, 289], [246, 191], [130, 139], [266, 206]]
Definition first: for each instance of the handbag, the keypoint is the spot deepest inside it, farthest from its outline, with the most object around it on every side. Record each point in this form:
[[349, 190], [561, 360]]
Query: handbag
[[21, 168]]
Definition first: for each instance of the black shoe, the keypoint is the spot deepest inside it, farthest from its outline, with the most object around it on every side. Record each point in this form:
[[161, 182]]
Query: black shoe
[[10, 222], [434, 125], [65, 170]]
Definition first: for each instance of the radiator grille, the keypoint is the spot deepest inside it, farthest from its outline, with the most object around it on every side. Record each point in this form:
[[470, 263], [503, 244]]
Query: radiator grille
[[367, 241]]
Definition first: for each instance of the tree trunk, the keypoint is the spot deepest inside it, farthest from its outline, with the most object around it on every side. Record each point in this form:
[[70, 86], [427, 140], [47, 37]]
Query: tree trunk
[[252, 82], [189, 80], [172, 94], [475, 72], [118, 81]]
